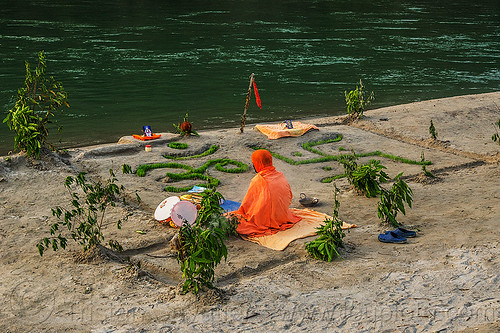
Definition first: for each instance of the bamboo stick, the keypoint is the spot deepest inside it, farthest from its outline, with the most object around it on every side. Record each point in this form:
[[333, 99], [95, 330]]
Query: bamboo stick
[[247, 103]]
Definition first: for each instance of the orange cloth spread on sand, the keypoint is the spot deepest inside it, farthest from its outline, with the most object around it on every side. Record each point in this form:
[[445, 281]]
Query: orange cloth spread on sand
[[276, 131], [265, 208], [146, 138]]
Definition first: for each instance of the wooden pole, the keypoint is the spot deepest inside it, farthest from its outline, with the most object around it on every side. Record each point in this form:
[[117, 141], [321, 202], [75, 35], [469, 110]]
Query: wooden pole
[[247, 103]]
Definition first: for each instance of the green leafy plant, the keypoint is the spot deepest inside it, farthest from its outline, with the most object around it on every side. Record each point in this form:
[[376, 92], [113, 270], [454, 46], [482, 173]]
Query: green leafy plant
[[36, 104], [293, 162], [207, 152], [350, 164], [297, 153], [356, 101], [393, 201], [330, 236], [309, 146], [326, 157], [432, 131], [210, 205], [178, 145], [185, 127], [200, 251], [342, 158], [424, 169], [126, 169], [193, 173], [496, 136], [211, 214], [85, 219], [332, 178], [367, 178], [228, 224], [201, 246]]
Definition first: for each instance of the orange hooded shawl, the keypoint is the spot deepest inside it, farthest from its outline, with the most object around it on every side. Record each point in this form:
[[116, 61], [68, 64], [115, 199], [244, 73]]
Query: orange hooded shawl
[[265, 208]]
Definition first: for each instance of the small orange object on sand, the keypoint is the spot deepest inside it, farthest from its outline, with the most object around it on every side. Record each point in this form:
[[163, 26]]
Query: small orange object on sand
[[146, 138], [276, 131]]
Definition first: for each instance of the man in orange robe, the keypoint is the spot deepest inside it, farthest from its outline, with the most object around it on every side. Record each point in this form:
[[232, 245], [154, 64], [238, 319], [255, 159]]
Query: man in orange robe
[[265, 208]]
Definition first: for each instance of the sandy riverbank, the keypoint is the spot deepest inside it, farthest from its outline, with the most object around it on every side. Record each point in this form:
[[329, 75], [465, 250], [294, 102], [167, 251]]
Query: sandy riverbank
[[444, 280]]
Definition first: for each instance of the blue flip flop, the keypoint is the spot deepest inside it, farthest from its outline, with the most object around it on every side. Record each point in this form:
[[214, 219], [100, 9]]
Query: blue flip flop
[[401, 232], [391, 237]]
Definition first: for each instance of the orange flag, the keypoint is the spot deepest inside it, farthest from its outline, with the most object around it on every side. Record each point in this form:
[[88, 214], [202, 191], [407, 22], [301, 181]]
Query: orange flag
[[257, 97]]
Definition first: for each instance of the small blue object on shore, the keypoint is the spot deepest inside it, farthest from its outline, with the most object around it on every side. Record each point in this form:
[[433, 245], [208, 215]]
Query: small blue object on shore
[[230, 206], [402, 232], [288, 124], [397, 236], [147, 130], [391, 237], [197, 189]]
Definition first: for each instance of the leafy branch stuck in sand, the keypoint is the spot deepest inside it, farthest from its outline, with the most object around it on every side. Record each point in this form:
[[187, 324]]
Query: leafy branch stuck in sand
[[330, 235], [85, 219]]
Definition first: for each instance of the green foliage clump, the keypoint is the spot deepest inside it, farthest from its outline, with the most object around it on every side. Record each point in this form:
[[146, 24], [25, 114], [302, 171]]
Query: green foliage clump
[[496, 136], [85, 219], [185, 128], [221, 163], [126, 169], [210, 215], [210, 205], [356, 101], [432, 131], [424, 169], [293, 162], [347, 160], [394, 158], [178, 145], [309, 145], [207, 152], [297, 153], [201, 246], [366, 178], [330, 236], [332, 178], [142, 169], [201, 250], [393, 201], [350, 164], [36, 104], [193, 173]]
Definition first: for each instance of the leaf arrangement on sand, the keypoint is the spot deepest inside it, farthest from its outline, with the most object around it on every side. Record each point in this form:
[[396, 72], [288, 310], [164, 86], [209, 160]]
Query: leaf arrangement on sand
[[207, 152], [194, 173], [178, 145], [309, 146]]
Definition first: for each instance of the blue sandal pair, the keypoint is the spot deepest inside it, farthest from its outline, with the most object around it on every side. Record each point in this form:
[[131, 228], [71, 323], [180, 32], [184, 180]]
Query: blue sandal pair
[[397, 236]]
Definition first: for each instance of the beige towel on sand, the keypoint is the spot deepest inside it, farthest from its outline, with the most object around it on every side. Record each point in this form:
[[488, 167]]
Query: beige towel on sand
[[276, 131], [306, 227]]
